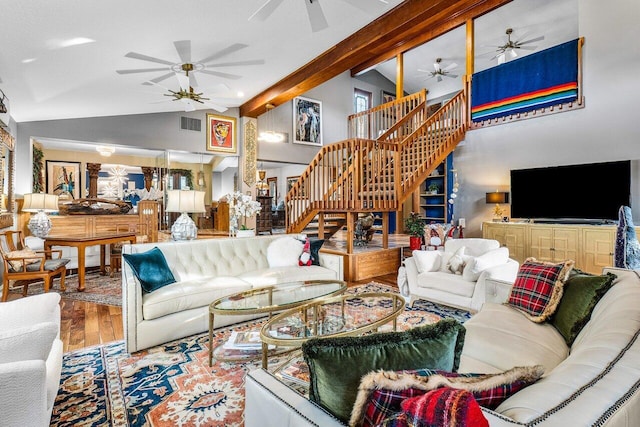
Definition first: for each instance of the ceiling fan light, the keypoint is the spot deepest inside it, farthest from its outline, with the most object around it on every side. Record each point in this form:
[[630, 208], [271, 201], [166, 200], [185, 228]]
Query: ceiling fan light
[[513, 53]]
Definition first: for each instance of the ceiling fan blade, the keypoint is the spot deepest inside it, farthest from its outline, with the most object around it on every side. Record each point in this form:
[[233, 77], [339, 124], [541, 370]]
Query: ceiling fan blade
[[188, 104], [450, 66], [368, 5], [237, 63], [537, 39], [151, 82], [183, 80], [423, 71], [528, 47], [218, 108], [502, 58], [454, 76], [265, 10], [219, 74], [233, 48], [147, 58], [141, 70], [439, 78], [316, 16], [184, 49], [192, 81], [160, 78]]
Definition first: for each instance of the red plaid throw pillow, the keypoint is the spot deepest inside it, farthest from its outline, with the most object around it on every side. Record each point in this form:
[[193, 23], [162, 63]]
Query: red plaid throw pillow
[[381, 393], [444, 407], [538, 288]]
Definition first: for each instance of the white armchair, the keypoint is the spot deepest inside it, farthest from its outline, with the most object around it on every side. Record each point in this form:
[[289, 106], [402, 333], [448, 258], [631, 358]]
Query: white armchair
[[457, 275], [30, 359]]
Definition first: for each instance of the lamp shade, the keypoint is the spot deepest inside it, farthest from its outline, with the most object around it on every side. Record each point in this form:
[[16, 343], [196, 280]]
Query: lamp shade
[[34, 202], [498, 197], [191, 201]]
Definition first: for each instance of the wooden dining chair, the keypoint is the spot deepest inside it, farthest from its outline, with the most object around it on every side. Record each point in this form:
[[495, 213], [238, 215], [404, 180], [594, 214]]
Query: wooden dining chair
[[24, 266]]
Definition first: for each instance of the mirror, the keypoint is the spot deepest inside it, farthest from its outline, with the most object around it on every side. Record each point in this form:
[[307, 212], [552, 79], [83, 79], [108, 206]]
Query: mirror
[[6, 178]]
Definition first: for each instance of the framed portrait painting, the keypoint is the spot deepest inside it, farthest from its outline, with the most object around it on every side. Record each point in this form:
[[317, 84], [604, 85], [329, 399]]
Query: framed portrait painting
[[63, 177], [307, 121], [221, 134]]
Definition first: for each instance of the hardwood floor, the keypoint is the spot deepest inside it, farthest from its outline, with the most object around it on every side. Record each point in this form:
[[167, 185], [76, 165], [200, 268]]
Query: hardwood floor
[[85, 324]]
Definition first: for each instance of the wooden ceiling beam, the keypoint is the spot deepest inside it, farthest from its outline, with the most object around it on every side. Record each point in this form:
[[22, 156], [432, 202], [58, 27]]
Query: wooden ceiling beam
[[385, 37]]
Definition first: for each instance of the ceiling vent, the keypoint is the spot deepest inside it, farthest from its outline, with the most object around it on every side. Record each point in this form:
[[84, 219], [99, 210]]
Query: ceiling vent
[[189, 123]]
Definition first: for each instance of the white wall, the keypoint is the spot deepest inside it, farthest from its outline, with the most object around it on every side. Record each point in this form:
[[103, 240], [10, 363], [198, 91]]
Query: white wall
[[605, 130]]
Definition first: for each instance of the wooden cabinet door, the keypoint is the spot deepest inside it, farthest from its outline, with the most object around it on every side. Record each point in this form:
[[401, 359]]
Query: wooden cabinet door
[[542, 243], [598, 247], [565, 244], [513, 237]]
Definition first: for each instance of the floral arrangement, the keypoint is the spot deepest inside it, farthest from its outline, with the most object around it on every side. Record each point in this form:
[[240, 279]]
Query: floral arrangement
[[242, 206]]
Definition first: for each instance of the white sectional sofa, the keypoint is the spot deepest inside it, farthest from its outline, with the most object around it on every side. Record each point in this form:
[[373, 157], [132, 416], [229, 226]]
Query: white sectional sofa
[[595, 382], [429, 276], [205, 270]]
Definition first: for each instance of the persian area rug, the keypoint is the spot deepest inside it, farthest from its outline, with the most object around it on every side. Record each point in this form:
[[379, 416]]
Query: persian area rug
[[172, 384], [98, 289]]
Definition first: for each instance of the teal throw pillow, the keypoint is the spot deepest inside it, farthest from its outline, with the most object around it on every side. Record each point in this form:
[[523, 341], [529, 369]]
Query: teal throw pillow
[[337, 364], [151, 269], [582, 291]]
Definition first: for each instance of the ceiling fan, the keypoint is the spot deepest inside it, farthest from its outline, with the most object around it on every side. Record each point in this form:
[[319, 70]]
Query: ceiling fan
[[510, 47], [314, 11], [204, 65], [188, 96], [440, 72]]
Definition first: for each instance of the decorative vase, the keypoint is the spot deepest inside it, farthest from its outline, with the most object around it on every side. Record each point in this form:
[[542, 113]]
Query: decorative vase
[[246, 233], [415, 242]]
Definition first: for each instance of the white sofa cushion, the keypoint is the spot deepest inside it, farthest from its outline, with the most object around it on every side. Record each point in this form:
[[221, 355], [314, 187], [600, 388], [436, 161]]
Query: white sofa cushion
[[473, 246], [498, 327], [277, 275], [188, 294], [284, 252], [474, 266], [446, 282], [427, 260]]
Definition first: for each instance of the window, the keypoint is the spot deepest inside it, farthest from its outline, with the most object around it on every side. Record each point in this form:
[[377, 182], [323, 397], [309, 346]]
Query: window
[[362, 102]]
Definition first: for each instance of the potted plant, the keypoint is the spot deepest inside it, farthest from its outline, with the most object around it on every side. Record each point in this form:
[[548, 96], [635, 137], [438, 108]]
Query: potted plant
[[414, 226], [241, 207], [433, 188]]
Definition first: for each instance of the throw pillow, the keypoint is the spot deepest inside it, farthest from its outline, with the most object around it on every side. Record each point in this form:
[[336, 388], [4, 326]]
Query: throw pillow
[[538, 288], [315, 244], [284, 252], [444, 262], [151, 269], [28, 342], [476, 265], [24, 253], [337, 364], [457, 261], [582, 291], [427, 260], [444, 407], [627, 249], [380, 393]]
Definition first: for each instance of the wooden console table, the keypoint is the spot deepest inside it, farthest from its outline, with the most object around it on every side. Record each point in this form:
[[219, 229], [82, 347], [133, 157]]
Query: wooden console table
[[82, 242]]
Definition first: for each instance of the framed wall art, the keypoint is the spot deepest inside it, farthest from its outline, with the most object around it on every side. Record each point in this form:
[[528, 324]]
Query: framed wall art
[[307, 121], [387, 97], [63, 177], [221, 134]]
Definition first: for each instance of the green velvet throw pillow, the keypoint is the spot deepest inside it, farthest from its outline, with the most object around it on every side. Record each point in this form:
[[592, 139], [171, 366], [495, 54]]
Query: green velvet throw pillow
[[337, 364], [151, 269], [582, 291]]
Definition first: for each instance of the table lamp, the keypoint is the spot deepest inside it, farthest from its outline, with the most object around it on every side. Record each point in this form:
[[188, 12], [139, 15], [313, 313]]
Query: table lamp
[[41, 203], [497, 197], [185, 201]]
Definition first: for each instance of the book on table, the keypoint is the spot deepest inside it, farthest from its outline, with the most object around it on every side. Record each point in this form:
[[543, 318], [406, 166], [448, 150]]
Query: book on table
[[296, 371], [245, 340]]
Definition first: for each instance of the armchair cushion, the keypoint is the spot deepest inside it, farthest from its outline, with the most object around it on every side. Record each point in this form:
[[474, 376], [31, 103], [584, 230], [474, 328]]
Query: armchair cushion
[[151, 269], [49, 264], [27, 343], [427, 261], [16, 264], [476, 265]]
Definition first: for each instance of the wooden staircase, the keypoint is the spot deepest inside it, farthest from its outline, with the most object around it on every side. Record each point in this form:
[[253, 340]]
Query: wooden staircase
[[365, 174]]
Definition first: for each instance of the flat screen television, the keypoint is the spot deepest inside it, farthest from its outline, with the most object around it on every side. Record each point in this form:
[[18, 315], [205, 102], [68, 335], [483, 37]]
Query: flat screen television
[[575, 193]]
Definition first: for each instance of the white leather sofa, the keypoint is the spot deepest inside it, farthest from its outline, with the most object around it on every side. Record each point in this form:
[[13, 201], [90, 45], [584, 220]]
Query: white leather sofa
[[205, 270], [432, 278], [595, 382], [91, 253], [30, 359]]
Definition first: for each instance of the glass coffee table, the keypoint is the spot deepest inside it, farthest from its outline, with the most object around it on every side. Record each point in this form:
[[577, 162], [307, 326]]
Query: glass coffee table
[[342, 315], [266, 300]]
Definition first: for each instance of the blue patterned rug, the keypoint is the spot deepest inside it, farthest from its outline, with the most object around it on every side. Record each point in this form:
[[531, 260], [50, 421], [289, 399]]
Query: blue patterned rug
[[172, 384]]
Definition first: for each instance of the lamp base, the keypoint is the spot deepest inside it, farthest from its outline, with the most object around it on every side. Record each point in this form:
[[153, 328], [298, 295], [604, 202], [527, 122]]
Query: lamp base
[[40, 225], [184, 228]]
